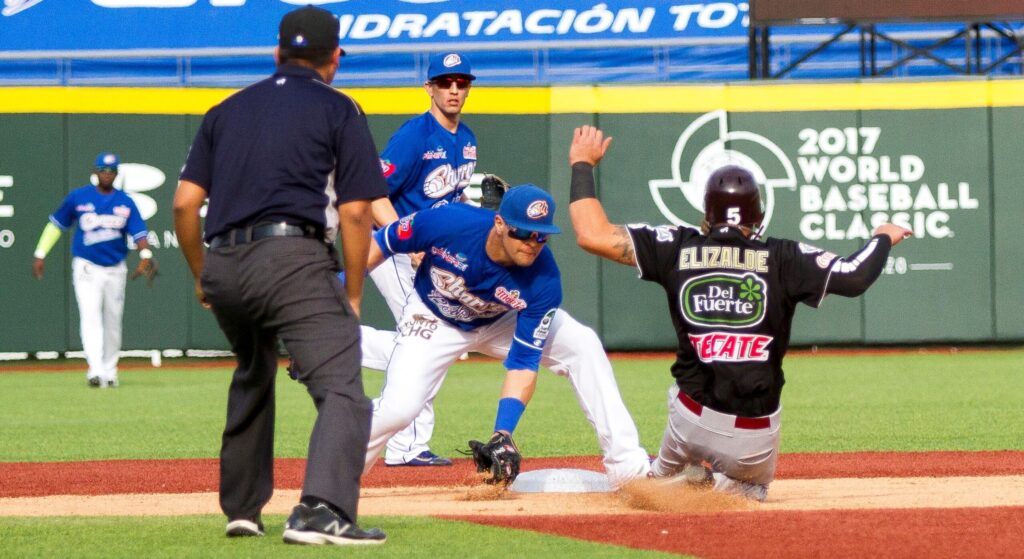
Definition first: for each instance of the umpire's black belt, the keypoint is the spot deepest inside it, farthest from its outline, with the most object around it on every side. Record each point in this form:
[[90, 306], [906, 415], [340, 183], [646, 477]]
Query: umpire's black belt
[[262, 231]]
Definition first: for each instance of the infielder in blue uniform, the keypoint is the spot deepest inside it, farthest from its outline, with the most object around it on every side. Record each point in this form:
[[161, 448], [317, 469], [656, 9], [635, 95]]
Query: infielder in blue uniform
[[427, 163], [105, 217], [489, 284]]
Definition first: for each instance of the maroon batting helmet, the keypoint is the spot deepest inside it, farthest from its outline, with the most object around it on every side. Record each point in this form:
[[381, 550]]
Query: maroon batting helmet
[[732, 197]]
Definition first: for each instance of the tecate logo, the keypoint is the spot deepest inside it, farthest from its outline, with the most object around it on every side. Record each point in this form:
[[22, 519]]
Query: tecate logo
[[723, 346]]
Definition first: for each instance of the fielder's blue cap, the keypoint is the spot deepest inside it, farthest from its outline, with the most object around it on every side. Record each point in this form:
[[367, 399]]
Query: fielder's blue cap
[[107, 160], [449, 63], [530, 208]]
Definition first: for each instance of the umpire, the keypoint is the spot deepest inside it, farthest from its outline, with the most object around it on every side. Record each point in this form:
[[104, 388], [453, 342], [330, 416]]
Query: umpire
[[287, 163]]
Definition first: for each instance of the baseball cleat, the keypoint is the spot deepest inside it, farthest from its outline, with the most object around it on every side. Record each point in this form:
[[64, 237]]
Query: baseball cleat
[[243, 527], [94, 382], [425, 458], [753, 491], [321, 525]]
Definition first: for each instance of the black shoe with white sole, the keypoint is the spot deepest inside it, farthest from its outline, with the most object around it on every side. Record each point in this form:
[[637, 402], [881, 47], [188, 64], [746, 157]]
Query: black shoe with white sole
[[320, 525], [243, 527]]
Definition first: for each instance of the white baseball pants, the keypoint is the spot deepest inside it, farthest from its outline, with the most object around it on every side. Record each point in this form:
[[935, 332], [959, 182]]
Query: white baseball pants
[[100, 294], [427, 346], [394, 280], [746, 455]]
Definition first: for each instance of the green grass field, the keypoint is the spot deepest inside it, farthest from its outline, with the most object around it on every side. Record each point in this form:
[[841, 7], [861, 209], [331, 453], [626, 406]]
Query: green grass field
[[201, 536], [961, 401], [832, 403]]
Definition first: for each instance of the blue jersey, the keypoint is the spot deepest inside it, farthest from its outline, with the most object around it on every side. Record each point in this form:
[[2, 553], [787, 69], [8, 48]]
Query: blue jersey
[[465, 288], [104, 221], [427, 166]]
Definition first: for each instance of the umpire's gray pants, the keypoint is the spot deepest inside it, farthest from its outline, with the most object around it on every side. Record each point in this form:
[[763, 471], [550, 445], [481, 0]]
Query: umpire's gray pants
[[287, 287]]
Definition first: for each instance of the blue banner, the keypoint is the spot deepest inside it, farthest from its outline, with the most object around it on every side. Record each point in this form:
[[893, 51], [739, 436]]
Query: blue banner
[[75, 25]]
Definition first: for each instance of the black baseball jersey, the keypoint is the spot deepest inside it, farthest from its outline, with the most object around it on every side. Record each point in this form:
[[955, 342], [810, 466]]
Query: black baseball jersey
[[732, 301]]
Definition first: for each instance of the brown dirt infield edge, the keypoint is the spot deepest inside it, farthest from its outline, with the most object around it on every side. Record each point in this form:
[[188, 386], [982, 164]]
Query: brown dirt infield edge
[[990, 531]]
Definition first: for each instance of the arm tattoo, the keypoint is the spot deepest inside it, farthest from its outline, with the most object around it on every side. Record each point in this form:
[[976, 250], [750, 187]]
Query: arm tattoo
[[623, 246]]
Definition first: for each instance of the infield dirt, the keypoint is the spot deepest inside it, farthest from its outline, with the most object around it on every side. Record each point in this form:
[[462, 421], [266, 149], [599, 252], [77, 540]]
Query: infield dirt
[[934, 504]]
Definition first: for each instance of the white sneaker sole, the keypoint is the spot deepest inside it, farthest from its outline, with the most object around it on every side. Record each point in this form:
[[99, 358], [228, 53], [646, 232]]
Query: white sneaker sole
[[242, 528], [316, 538]]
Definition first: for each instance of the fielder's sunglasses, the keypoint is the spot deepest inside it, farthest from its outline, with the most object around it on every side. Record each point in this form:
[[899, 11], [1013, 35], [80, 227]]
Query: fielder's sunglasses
[[445, 82], [524, 235]]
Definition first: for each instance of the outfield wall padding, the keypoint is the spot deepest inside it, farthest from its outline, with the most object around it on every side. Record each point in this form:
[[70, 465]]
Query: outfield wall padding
[[948, 163]]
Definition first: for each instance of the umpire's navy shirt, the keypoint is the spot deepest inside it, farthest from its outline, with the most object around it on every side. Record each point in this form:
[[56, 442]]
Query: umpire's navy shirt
[[288, 148]]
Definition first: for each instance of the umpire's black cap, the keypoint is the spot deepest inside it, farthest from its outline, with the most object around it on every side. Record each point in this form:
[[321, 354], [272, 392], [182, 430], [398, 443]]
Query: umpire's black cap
[[309, 28]]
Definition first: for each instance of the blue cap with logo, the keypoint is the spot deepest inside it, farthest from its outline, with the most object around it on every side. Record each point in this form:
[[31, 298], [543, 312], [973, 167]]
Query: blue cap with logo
[[447, 64], [529, 208], [107, 160]]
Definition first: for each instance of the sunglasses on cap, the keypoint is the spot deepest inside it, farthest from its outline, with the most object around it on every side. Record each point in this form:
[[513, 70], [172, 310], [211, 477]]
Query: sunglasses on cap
[[445, 82], [524, 235]]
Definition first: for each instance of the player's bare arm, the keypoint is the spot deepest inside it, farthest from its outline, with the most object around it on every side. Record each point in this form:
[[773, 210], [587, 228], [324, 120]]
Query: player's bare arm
[[383, 211], [355, 219], [594, 232], [519, 384], [188, 199]]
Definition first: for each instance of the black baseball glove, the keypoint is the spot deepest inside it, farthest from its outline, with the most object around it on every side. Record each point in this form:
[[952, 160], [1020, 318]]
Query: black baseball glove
[[492, 188], [498, 456]]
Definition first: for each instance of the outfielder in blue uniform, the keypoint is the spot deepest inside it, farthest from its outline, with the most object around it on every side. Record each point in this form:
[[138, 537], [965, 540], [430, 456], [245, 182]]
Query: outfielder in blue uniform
[[488, 283], [427, 163], [105, 218]]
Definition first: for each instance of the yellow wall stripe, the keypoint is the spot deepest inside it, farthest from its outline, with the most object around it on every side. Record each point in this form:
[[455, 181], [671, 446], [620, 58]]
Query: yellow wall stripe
[[777, 97]]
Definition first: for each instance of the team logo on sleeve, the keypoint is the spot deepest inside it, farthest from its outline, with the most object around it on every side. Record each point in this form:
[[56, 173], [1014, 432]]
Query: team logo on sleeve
[[542, 329], [387, 167], [405, 227], [724, 300]]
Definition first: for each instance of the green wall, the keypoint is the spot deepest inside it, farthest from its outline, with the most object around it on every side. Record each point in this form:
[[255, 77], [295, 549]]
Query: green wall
[[832, 173]]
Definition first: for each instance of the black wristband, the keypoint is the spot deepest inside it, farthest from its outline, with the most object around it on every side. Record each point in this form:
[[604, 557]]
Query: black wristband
[[582, 185]]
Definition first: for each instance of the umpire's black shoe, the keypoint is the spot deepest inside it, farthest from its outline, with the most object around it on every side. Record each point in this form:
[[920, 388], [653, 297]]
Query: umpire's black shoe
[[242, 527], [319, 525]]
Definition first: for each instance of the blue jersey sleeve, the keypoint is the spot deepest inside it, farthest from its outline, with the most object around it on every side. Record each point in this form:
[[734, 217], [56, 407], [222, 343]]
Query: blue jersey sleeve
[[136, 227], [65, 214], [405, 235], [533, 324], [401, 159]]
